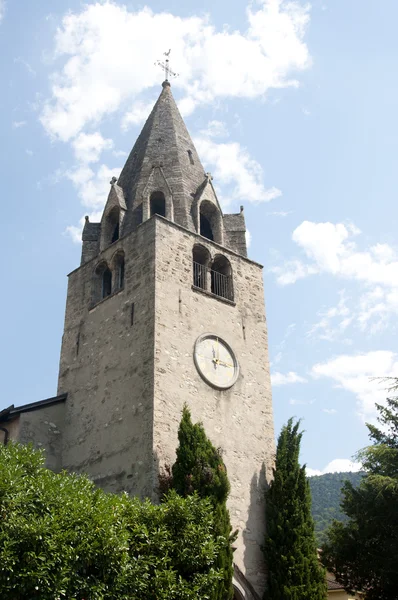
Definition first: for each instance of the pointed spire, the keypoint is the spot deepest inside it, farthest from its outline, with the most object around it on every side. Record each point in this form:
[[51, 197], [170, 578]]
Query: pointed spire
[[165, 143]]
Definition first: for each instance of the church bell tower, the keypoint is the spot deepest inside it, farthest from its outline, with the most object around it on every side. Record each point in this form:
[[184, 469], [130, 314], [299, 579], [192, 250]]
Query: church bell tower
[[164, 309]]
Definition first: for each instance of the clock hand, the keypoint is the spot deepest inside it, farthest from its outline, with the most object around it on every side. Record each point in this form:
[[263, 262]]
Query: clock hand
[[205, 357], [224, 364]]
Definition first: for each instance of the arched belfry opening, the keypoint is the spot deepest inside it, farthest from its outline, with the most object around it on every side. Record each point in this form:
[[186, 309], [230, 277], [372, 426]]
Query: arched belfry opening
[[158, 204], [210, 221], [112, 226], [205, 227], [200, 260], [221, 278], [106, 283], [118, 270], [102, 284]]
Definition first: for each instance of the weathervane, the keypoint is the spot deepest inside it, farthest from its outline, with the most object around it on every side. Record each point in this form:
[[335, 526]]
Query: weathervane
[[166, 66]]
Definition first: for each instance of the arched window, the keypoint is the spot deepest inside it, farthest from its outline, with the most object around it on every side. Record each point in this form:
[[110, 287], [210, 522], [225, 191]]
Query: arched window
[[205, 227], [210, 221], [102, 284], [112, 226], [201, 259], [221, 278], [106, 283], [158, 204], [118, 270]]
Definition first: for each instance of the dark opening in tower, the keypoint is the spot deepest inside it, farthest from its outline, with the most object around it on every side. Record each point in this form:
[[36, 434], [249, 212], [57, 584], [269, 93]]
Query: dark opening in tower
[[205, 228], [210, 221], [118, 269], [221, 278], [158, 204], [106, 283], [112, 228], [201, 259]]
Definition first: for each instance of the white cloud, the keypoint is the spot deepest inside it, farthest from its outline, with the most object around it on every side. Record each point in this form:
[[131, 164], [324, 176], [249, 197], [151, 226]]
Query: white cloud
[[215, 129], [338, 465], [330, 411], [92, 187], [75, 233], [333, 321], [248, 238], [103, 70], [2, 9], [292, 271], [241, 175], [137, 115], [89, 146], [29, 152], [354, 374], [330, 249], [18, 124], [119, 153], [286, 378]]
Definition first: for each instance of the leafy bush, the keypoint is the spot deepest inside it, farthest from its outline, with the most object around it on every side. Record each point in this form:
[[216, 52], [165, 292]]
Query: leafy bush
[[62, 538]]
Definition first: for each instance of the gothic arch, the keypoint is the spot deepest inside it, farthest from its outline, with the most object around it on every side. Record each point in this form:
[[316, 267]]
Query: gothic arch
[[111, 226], [200, 260], [157, 191], [118, 267], [157, 204], [222, 277], [102, 282], [210, 221]]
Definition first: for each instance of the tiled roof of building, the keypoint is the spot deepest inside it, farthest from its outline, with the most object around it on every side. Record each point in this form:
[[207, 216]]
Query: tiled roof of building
[[333, 584]]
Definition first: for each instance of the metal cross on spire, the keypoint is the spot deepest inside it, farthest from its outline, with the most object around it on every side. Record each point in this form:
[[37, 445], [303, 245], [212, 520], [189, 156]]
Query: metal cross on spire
[[166, 66]]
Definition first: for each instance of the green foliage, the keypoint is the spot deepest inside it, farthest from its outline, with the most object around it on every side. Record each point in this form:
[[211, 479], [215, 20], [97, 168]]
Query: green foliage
[[61, 538], [362, 552], [199, 468], [294, 572], [326, 497]]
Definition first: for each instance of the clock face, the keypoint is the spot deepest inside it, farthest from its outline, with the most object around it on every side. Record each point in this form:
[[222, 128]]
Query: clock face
[[215, 361]]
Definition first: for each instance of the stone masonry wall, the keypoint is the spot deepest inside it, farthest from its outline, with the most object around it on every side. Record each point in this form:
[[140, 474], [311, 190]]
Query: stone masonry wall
[[44, 428], [107, 369], [240, 419]]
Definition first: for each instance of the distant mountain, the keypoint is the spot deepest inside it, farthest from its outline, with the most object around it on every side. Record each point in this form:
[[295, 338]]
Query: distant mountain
[[326, 498]]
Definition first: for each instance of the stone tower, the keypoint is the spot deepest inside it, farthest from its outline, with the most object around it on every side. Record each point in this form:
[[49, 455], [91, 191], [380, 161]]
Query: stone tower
[[166, 308]]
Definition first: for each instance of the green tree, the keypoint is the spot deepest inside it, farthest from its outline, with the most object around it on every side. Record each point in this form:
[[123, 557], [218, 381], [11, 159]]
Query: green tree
[[199, 468], [294, 572], [62, 538], [362, 553]]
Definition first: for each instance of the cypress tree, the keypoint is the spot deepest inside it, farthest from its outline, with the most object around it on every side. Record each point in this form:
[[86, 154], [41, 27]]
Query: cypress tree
[[199, 468], [294, 572]]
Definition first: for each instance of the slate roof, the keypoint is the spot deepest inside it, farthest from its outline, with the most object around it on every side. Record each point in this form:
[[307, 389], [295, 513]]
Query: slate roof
[[333, 584], [164, 141]]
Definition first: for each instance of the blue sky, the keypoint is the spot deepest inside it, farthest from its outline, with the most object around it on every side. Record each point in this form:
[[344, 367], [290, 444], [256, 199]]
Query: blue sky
[[292, 107]]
